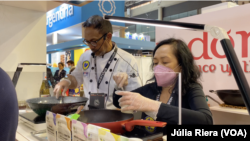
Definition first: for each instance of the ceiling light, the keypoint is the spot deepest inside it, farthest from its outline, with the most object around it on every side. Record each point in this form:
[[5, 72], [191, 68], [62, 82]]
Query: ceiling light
[[158, 23]]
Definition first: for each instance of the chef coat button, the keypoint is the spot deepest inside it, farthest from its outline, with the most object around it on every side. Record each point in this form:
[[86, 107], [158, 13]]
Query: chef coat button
[[90, 80], [106, 82], [89, 92], [92, 68], [110, 70], [115, 59]]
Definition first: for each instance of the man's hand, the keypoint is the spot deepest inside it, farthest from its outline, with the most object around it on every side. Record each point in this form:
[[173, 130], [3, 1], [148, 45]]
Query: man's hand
[[121, 79], [70, 83], [64, 84]]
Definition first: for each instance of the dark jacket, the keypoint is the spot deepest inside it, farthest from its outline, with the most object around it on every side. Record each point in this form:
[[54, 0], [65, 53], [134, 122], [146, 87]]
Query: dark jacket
[[62, 75], [50, 77], [8, 108], [194, 106]]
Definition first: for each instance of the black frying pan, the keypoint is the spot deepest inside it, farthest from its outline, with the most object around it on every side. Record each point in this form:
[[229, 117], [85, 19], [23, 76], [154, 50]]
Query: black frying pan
[[115, 120], [60, 106], [230, 97]]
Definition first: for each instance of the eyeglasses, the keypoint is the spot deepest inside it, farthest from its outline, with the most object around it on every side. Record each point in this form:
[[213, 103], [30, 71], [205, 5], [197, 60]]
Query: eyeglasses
[[93, 43]]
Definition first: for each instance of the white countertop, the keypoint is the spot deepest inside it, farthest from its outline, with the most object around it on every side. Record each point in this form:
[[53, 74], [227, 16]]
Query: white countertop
[[24, 133], [229, 110]]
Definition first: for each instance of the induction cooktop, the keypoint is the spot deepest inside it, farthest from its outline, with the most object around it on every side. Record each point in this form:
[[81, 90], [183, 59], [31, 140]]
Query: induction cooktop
[[33, 117], [33, 121]]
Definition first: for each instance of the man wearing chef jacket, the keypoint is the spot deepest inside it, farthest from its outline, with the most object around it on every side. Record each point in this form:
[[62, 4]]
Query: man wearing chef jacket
[[104, 59]]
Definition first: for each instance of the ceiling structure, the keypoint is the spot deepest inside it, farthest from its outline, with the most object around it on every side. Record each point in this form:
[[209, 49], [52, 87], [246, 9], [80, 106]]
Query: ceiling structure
[[42, 6], [71, 33], [78, 3]]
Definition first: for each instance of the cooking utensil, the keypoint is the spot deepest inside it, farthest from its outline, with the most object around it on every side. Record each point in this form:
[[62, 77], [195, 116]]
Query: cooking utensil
[[115, 120], [76, 115], [61, 99], [164, 138], [213, 99], [43, 104], [230, 97]]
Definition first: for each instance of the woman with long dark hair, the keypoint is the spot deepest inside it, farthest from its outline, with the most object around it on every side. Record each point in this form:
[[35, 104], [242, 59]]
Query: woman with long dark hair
[[159, 100]]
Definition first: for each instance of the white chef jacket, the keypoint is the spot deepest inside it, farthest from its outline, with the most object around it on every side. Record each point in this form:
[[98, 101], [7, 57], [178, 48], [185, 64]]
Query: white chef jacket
[[85, 74]]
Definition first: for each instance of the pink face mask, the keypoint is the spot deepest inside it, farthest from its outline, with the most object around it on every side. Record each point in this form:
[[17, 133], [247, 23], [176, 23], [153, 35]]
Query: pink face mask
[[164, 75]]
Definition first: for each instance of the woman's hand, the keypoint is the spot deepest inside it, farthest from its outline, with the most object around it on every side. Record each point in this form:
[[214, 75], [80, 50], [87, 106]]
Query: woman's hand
[[137, 102]]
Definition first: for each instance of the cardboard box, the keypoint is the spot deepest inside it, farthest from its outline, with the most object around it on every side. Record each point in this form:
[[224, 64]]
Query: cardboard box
[[79, 131], [51, 126], [63, 125]]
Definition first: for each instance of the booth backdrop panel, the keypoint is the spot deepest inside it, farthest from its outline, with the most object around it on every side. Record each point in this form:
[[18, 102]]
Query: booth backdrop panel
[[208, 52]]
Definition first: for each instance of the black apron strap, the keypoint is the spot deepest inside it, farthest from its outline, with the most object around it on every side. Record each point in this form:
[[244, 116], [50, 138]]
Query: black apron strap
[[105, 68]]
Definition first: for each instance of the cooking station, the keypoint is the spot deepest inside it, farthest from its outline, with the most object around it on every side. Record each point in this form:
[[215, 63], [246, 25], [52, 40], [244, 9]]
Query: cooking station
[[37, 122], [32, 127], [32, 124]]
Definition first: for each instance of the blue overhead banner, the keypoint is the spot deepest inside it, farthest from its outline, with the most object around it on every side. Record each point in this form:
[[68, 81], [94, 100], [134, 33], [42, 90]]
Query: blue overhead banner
[[67, 15], [63, 16], [104, 7]]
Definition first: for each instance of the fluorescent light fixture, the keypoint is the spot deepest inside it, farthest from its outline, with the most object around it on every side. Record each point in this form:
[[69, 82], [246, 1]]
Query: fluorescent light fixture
[[20, 65], [55, 38], [148, 22], [216, 32], [151, 24]]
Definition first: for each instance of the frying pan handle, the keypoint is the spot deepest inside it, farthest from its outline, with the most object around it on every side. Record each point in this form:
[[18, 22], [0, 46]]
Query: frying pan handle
[[213, 99], [76, 104], [212, 91], [129, 126]]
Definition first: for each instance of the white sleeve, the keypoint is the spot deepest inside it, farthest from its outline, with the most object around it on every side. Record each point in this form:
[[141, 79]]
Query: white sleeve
[[78, 72], [134, 79]]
